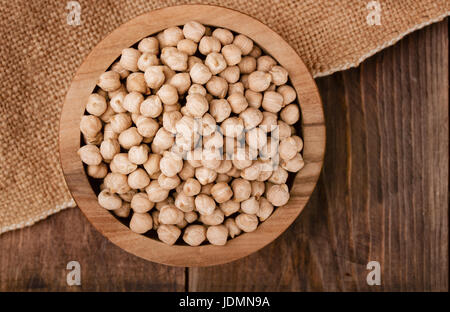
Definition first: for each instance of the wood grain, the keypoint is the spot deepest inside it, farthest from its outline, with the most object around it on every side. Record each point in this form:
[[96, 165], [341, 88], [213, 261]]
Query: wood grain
[[109, 49], [383, 194]]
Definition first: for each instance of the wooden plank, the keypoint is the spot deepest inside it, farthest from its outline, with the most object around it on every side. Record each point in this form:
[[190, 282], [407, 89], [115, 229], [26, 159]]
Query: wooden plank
[[383, 193], [35, 259]]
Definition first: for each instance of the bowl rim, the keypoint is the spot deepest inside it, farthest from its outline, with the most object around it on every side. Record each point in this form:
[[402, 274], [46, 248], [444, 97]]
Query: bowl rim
[[104, 54]]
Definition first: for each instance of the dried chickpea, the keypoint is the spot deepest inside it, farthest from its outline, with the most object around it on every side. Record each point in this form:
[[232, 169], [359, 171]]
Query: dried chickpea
[[190, 216], [232, 127], [90, 125], [247, 222], [241, 189], [254, 99], [197, 88], [129, 138], [196, 104], [204, 204], [208, 45], [168, 94], [168, 234], [279, 176], [155, 192], [120, 70], [265, 63], [181, 81], [194, 235], [290, 114], [265, 209], [109, 148], [247, 65], [124, 211], [141, 223], [256, 138], [136, 82], [252, 172], [233, 229], [205, 175], [223, 35], [132, 102], [109, 81], [193, 30], [121, 164], [217, 86], [272, 101], [147, 60], [289, 147], [234, 88], [192, 187], [255, 52], [278, 194], [206, 189], [259, 81], [96, 104], [221, 192], [141, 203], [90, 155], [154, 77], [279, 75], [170, 164], [109, 200], [215, 218], [288, 93], [163, 139], [149, 45], [175, 59], [138, 179], [170, 215], [106, 116], [97, 171], [238, 103], [215, 62], [232, 54], [220, 109], [250, 206], [116, 183], [217, 234], [129, 59], [230, 207], [231, 74], [152, 164], [294, 164], [269, 122], [244, 43]]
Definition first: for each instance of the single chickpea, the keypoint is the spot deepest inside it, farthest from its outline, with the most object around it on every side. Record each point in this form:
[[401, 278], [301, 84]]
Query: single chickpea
[[288, 93], [254, 99], [154, 77], [166, 202], [252, 117], [272, 101], [200, 73], [129, 59], [168, 234], [120, 122], [124, 211], [194, 235], [197, 88], [247, 222], [191, 187], [116, 183], [172, 36], [233, 229], [90, 155], [284, 130], [90, 125], [204, 204], [250, 206], [225, 166], [128, 196], [259, 81], [221, 192], [121, 89], [234, 172], [265, 209], [294, 164], [109, 81], [247, 65], [299, 142], [279, 75], [170, 119], [170, 164], [185, 202], [168, 94], [147, 60], [149, 45], [96, 140], [190, 216], [97, 171], [193, 30], [152, 164], [232, 54], [147, 127], [215, 62], [278, 194], [121, 164], [234, 88], [217, 86], [231, 74], [181, 81], [132, 102], [241, 189], [217, 234], [108, 200], [140, 203], [168, 183], [270, 150], [96, 104], [138, 179], [252, 172], [120, 70], [230, 207], [129, 138], [244, 43], [155, 217], [196, 104], [265, 63], [155, 192], [269, 122], [256, 138], [279, 176], [215, 218], [109, 148], [238, 103], [223, 177], [243, 158], [211, 158], [232, 127], [220, 109], [289, 147], [256, 51], [290, 114], [141, 223], [170, 215], [208, 45], [258, 189], [223, 35], [151, 106], [162, 140], [136, 82]]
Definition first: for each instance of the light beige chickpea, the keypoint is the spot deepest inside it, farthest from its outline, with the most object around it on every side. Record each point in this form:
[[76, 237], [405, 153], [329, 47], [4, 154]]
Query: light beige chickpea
[[149, 45], [269, 122], [194, 235], [121, 164], [97, 171], [279, 75], [154, 77], [124, 211], [204, 204], [108, 200], [96, 104], [168, 234], [258, 189], [232, 54], [223, 35], [238, 103], [109, 148], [185, 202], [172, 36], [129, 138], [241, 189], [221, 192], [96, 140], [265, 63], [120, 122], [252, 117], [256, 138], [230, 207], [168, 183], [256, 51], [215, 218], [155, 192], [288, 93], [90, 155], [279, 176], [141, 223], [187, 172], [151, 106], [250, 206], [175, 59], [116, 102], [136, 82], [225, 166], [152, 164], [116, 183], [132, 102], [147, 127], [290, 114], [170, 119], [191, 187], [121, 89], [233, 229], [197, 88], [272, 101], [193, 30], [213, 141], [254, 99], [196, 104], [205, 175], [234, 88], [208, 45], [200, 73], [129, 59], [138, 179], [278, 194], [90, 125], [106, 116], [247, 65], [289, 147], [109, 81], [247, 222], [120, 70], [284, 130], [192, 60], [163, 139], [170, 164], [265, 209], [140, 203], [294, 164], [252, 172], [232, 127], [299, 142], [168, 94], [181, 81], [217, 86], [215, 62], [223, 177], [170, 215], [244, 43], [259, 81], [147, 60], [231, 74], [217, 234], [220, 109]]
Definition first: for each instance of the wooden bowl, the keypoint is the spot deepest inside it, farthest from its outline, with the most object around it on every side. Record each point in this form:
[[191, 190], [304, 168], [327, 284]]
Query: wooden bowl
[[103, 55]]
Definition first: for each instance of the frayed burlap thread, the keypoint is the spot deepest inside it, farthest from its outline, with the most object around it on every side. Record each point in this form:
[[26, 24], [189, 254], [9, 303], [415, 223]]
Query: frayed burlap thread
[[40, 53]]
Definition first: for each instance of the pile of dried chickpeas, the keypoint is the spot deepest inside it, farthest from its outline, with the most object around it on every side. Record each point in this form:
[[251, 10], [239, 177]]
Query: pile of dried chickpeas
[[192, 135]]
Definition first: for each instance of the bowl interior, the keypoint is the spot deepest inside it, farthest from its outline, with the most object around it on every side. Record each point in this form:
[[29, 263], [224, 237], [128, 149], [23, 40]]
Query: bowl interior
[[107, 51]]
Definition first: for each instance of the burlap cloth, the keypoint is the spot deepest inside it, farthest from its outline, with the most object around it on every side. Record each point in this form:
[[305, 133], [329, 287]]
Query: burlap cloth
[[40, 52]]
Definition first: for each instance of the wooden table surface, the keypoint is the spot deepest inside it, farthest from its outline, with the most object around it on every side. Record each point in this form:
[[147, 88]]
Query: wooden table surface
[[382, 196]]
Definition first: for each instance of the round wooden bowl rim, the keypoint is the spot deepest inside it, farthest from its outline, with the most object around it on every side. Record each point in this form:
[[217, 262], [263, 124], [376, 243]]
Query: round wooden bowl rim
[[102, 56]]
